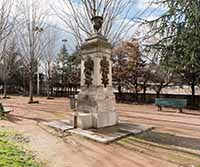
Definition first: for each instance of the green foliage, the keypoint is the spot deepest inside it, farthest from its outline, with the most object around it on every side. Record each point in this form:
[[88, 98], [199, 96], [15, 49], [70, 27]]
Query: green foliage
[[60, 68], [179, 43], [63, 56], [11, 155], [73, 70], [66, 72], [179, 29], [1, 107], [62, 60]]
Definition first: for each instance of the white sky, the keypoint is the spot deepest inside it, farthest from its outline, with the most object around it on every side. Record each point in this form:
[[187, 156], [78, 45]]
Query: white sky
[[153, 12]]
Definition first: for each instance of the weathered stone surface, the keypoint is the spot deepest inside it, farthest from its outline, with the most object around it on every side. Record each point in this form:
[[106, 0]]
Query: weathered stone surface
[[105, 119], [96, 102], [84, 120], [61, 125], [96, 99], [111, 134], [96, 48]]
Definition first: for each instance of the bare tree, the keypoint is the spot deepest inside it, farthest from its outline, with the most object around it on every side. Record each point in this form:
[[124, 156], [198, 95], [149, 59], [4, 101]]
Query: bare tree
[[49, 56], [10, 62], [7, 21], [7, 18], [7, 27], [117, 15], [161, 78], [30, 35], [127, 65]]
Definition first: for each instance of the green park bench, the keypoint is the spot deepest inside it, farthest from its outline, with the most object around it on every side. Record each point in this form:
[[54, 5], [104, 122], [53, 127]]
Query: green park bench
[[173, 103], [4, 110]]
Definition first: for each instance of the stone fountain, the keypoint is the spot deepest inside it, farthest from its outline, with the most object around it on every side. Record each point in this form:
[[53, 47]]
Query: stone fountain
[[96, 101], [96, 117]]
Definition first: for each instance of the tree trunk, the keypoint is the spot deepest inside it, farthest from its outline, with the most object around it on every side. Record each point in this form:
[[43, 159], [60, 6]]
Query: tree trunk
[[119, 89], [160, 87], [24, 84], [136, 90], [158, 93], [120, 93], [5, 89], [193, 94], [31, 88], [144, 92], [65, 91], [62, 89], [75, 90], [48, 90], [51, 90]]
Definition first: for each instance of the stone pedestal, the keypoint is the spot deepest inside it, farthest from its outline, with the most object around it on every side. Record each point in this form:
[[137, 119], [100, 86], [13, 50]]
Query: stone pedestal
[[96, 102]]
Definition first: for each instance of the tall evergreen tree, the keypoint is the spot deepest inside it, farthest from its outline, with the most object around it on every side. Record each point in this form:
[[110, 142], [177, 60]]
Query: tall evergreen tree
[[179, 44], [61, 67], [66, 71]]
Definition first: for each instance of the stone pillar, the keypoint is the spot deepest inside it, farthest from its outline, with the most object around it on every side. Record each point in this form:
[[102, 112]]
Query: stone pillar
[[96, 102]]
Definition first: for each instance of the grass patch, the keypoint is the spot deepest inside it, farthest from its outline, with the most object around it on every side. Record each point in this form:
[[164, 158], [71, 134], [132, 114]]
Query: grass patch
[[3, 117], [12, 155]]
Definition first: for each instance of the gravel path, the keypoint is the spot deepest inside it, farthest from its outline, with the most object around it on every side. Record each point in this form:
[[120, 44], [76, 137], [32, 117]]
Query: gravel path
[[74, 151]]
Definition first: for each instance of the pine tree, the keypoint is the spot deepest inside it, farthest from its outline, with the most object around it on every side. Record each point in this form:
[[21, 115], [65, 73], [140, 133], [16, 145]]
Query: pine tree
[[61, 67], [179, 44]]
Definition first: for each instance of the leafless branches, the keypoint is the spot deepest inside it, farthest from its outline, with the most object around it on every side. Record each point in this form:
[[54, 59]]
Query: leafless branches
[[7, 18], [10, 61], [7, 21], [30, 36], [77, 15], [49, 56]]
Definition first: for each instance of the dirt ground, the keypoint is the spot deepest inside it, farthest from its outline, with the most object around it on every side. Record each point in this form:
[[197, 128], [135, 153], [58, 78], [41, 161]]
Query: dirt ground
[[157, 149]]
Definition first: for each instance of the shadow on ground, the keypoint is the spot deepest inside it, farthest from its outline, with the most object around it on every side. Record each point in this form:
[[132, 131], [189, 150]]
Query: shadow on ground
[[16, 118], [170, 139]]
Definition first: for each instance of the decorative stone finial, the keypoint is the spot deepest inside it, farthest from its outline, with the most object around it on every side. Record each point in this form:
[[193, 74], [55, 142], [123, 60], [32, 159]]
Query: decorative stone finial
[[97, 22]]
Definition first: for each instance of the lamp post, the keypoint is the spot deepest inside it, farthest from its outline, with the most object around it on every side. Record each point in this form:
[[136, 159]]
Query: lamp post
[[38, 30], [32, 29], [62, 80], [38, 80]]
